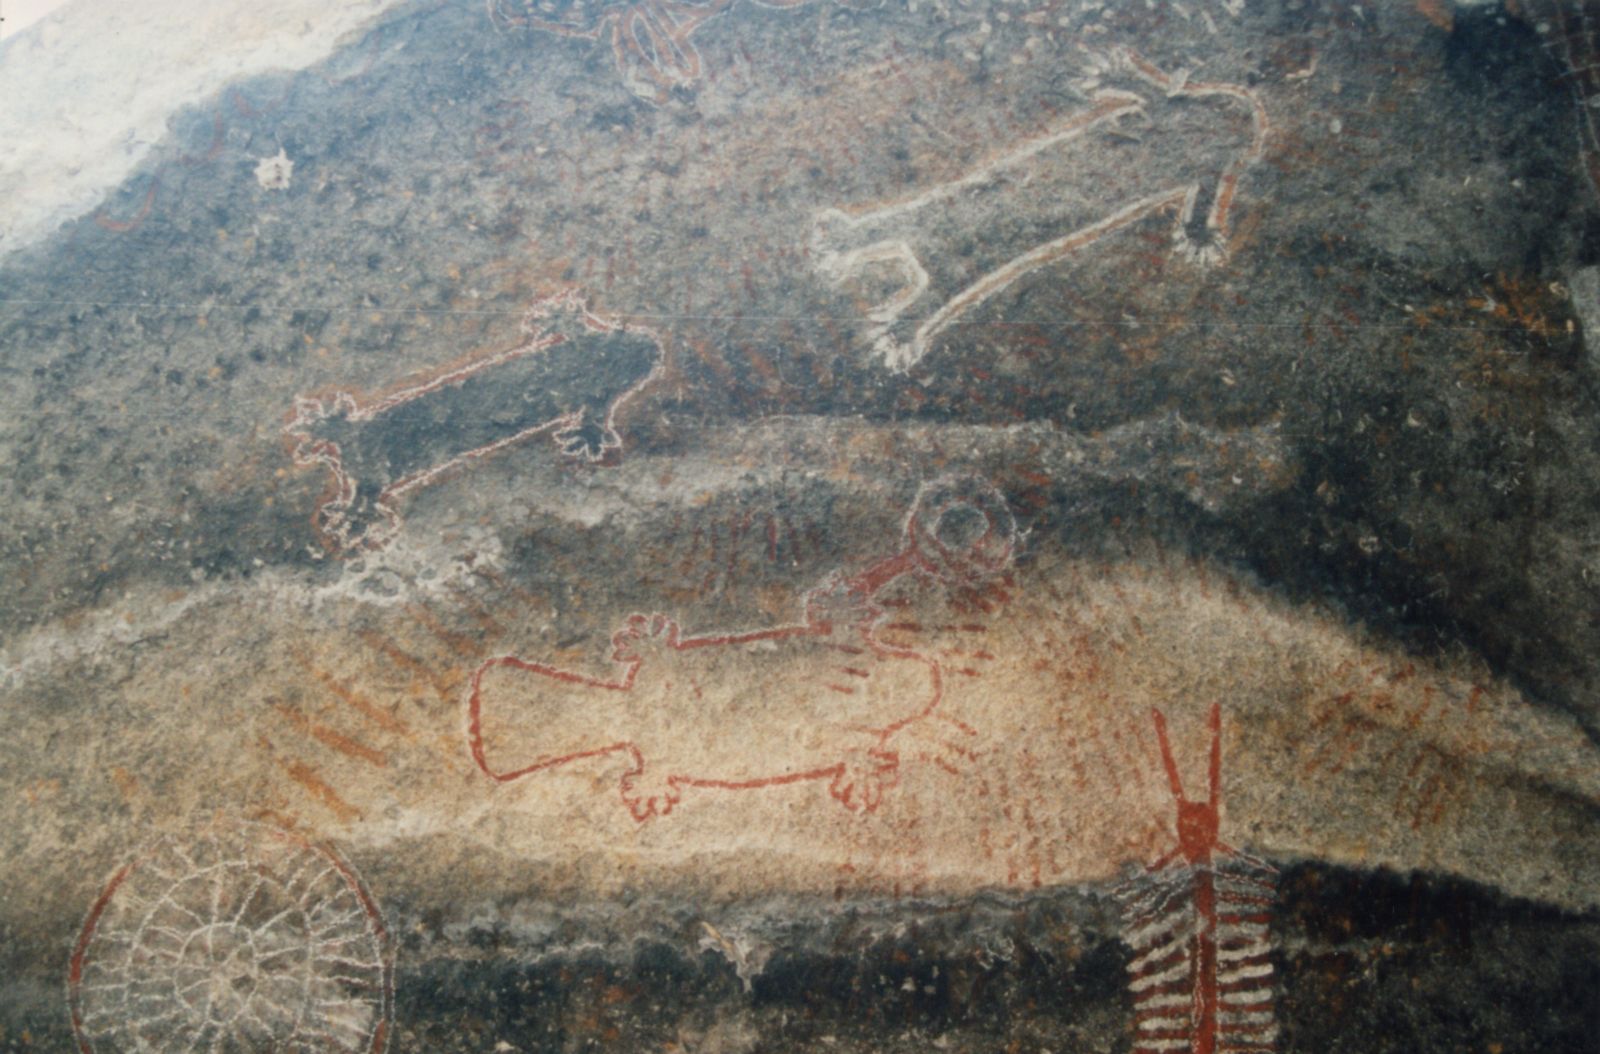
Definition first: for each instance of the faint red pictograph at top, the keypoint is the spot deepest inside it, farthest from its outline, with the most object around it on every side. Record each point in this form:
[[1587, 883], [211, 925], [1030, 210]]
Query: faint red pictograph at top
[[1198, 921], [823, 699], [651, 40]]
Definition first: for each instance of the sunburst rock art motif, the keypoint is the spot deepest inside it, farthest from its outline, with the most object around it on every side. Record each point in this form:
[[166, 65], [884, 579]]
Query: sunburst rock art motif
[[823, 699], [1198, 921], [927, 260], [567, 380], [651, 40], [246, 939]]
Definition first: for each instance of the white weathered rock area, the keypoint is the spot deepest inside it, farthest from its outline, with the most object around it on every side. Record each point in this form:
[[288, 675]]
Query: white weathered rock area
[[89, 88]]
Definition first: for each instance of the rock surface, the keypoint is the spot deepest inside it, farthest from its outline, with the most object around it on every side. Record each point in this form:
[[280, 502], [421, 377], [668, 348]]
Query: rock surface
[[734, 526]]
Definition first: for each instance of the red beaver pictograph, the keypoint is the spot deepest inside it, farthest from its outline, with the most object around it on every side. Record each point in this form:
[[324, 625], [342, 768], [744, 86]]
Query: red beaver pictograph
[[820, 699]]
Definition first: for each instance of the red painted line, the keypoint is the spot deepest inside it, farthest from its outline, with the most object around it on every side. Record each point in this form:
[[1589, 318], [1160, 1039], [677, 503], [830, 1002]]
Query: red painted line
[[215, 148], [361, 704], [307, 777], [463, 645], [409, 662], [1262, 918], [81, 950], [330, 738], [831, 772], [125, 226]]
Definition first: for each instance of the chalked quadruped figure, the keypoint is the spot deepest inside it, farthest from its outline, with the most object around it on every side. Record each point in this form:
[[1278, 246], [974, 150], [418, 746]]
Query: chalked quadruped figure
[[927, 260], [244, 937], [1198, 922], [566, 380], [822, 699]]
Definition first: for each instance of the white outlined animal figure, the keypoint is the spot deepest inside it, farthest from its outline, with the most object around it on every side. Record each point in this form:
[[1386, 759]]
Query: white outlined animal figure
[[1173, 144], [566, 380], [822, 699]]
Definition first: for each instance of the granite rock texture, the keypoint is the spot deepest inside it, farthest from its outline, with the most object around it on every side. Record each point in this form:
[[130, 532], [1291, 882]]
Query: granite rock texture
[[734, 526]]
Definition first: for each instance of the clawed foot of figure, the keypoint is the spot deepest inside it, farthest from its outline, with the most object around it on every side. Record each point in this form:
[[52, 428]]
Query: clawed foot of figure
[[586, 439], [643, 636], [649, 793], [864, 778], [1205, 249]]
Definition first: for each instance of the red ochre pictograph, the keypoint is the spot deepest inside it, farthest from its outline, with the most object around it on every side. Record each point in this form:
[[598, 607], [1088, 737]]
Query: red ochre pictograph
[[651, 40], [567, 380], [821, 700], [1198, 922], [248, 938], [1164, 144]]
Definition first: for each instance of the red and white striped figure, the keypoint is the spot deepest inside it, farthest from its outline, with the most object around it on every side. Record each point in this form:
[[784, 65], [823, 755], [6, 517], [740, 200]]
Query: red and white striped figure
[[1198, 922]]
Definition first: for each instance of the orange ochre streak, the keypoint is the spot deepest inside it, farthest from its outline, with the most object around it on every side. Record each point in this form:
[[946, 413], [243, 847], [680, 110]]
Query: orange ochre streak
[[328, 737], [314, 785]]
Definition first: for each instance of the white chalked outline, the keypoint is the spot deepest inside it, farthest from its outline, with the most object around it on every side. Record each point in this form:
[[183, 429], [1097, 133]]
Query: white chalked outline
[[146, 965], [1108, 106], [308, 450]]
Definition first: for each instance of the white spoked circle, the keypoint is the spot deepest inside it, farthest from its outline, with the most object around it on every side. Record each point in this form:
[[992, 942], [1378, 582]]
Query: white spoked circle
[[245, 940]]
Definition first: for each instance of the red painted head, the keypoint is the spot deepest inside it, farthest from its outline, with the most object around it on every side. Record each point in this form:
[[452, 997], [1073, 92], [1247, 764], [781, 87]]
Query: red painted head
[[1197, 830], [1198, 821]]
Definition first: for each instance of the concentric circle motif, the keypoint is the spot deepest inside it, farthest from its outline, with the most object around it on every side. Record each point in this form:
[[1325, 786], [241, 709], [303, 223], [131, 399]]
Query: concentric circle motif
[[962, 529], [244, 940]]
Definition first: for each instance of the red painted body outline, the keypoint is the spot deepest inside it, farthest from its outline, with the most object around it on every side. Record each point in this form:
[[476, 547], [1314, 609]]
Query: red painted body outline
[[923, 553]]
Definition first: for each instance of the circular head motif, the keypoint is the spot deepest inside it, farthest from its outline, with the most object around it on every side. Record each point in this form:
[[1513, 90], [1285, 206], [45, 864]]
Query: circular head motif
[[962, 529], [244, 940]]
